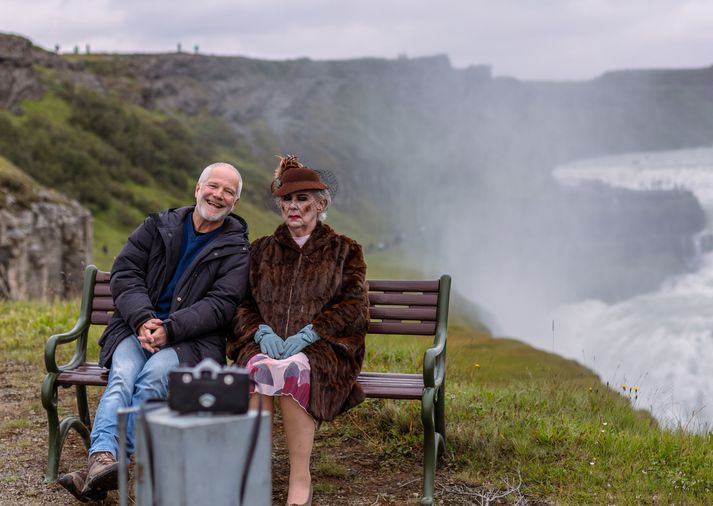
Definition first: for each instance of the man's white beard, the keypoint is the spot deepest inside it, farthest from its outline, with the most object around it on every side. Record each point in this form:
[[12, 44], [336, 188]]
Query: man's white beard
[[200, 207]]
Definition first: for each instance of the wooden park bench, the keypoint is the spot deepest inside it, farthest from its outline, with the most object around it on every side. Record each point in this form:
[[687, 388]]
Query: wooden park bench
[[418, 308]]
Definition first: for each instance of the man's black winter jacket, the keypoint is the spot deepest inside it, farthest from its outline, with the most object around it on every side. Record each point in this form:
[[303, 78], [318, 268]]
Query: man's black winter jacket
[[204, 299]]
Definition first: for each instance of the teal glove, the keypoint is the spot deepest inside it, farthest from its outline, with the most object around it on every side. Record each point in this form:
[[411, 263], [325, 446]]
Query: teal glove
[[270, 343], [303, 338]]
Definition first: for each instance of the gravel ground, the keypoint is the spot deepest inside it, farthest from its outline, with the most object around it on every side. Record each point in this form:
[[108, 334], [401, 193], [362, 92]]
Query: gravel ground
[[355, 476]]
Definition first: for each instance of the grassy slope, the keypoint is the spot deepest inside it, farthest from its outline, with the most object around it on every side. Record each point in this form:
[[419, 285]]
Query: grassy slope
[[520, 415], [515, 415], [9, 174]]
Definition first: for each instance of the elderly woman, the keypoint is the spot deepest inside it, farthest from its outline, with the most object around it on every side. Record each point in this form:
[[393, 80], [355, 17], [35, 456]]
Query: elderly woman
[[300, 332]]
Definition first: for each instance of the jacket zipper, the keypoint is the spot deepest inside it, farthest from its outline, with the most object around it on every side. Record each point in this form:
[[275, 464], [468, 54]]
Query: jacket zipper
[[289, 298]]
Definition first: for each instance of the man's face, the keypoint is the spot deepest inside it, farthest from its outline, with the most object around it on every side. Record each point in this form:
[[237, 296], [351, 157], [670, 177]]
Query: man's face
[[217, 195]]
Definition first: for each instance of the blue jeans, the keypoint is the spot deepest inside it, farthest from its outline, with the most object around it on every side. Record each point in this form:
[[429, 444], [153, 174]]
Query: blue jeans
[[135, 376]]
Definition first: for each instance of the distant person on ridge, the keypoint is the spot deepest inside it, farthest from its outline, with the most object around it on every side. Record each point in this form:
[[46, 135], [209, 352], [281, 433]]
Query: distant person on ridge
[[300, 331], [176, 284]]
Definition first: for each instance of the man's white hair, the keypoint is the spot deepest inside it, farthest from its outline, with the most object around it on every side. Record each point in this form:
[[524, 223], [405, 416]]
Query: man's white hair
[[206, 173]]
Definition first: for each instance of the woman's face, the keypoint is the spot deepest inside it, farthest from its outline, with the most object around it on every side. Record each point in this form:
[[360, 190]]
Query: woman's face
[[300, 210]]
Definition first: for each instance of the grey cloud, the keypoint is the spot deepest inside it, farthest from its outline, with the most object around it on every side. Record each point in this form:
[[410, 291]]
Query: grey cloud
[[547, 39]]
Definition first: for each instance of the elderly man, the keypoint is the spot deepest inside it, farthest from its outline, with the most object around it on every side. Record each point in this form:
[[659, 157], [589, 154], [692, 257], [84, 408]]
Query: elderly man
[[176, 284]]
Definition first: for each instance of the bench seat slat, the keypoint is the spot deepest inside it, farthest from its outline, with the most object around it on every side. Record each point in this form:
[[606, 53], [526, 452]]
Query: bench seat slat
[[391, 376], [391, 385], [86, 374], [383, 392]]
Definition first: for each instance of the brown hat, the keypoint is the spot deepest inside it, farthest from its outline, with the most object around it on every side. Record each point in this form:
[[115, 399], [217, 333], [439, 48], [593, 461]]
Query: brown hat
[[292, 176]]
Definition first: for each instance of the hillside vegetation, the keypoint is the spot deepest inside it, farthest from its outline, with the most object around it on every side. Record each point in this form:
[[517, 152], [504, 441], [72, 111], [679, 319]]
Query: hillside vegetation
[[124, 161]]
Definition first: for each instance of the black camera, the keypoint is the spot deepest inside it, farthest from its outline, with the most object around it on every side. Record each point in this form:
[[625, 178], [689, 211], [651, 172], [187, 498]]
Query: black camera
[[209, 388]]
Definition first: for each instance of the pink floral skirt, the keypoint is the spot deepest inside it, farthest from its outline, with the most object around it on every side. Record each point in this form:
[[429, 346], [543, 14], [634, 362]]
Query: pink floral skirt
[[289, 376]]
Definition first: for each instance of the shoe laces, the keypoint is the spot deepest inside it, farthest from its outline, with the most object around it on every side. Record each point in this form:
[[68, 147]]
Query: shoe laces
[[104, 458]]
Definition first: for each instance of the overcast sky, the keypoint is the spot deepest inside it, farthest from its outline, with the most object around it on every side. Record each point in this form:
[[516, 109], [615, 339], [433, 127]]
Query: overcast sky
[[528, 39]]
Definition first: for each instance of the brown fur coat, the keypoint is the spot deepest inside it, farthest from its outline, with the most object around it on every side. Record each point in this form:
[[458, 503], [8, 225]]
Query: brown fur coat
[[323, 283]]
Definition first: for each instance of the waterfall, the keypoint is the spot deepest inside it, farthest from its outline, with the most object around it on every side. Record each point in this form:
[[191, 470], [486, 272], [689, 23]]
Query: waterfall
[[656, 348]]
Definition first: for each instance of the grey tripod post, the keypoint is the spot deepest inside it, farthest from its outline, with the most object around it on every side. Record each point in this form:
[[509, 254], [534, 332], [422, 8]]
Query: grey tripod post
[[123, 418]]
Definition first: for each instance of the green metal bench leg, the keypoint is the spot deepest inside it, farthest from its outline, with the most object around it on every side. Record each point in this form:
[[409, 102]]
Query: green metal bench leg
[[83, 405], [72, 422], [58, 431], [430, 445], [440, 419], [54, 448]]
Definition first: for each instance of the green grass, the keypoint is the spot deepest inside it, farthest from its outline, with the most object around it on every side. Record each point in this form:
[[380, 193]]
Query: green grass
[[516, 413], [26, 325], [513, 413], [13, 425], [50, 106], [23, 189], [327, 465]]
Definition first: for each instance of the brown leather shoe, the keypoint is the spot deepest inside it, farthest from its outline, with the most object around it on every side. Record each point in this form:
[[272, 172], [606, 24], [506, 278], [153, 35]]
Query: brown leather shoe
[[102, 473], [74, 483]]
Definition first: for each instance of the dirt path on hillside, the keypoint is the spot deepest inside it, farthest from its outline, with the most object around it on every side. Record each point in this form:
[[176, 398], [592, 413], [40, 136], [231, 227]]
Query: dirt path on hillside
[[363, 478]]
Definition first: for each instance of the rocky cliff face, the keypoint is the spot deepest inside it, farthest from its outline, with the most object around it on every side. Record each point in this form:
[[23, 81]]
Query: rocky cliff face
[[19, 80], [45, 241]]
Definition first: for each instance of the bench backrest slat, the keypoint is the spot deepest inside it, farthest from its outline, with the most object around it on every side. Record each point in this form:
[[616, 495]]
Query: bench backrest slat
[[102, 303], [403, 307], [101, 289], [390, 285], [406, 299], [100, 317], [395, 306], [403, 313]]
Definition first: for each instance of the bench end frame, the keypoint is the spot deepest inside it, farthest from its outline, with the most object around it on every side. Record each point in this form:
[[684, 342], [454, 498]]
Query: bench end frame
[[434, 394], [58, 430]]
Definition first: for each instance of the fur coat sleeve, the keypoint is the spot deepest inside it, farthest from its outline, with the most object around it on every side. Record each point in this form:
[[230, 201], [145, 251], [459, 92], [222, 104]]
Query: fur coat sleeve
[[343, 321]]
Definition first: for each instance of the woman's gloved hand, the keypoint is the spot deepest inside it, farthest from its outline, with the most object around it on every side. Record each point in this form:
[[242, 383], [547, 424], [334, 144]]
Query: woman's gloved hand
[[270, 343], [303, 338]]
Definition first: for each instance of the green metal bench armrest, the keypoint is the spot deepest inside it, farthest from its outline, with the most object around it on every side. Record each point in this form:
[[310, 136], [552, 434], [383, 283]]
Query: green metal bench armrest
[[434, 358], [78, 333]]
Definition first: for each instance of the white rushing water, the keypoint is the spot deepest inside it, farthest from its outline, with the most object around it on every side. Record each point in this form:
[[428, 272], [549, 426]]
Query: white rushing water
[[659, 343]]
